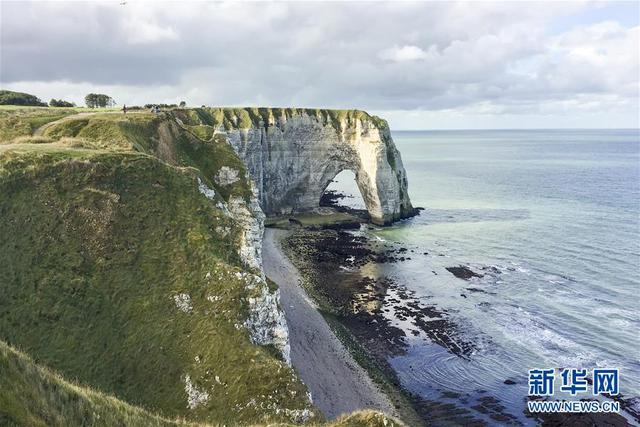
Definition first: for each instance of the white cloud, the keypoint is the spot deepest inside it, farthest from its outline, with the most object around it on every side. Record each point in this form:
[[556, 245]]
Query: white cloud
[[469, 60], [140, 31], [404, 53], [603, 57]]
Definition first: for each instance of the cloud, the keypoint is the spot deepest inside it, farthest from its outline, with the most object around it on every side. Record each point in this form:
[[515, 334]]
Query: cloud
[[404, 53], [472, 58], [143, 32]]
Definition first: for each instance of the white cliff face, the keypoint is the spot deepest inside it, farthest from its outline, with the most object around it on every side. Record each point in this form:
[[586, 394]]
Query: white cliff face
[[206, 191], [195, 396], [226, 176], [266, 322], [252, 219], [292, 159]]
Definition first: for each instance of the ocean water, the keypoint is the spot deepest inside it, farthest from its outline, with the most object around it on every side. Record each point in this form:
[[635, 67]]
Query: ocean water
[[552, 219]]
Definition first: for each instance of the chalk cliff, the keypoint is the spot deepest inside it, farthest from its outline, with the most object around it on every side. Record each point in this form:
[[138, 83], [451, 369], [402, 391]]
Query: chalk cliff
[[293, 154]]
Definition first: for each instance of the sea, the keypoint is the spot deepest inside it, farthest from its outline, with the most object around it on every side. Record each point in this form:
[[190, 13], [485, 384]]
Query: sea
[[551, 219]]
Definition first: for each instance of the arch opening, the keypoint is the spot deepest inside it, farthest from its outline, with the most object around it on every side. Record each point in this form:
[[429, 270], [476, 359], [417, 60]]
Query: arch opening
[[343, 194]]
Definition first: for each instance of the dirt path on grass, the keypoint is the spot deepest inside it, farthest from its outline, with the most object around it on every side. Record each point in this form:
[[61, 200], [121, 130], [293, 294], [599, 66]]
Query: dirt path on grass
[[337, 383], [39, 131]]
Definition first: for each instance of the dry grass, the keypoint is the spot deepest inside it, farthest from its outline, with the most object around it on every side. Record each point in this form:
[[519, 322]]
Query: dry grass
[[29, 139]]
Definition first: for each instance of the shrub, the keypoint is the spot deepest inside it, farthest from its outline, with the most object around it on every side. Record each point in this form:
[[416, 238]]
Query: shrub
[[61, 103]]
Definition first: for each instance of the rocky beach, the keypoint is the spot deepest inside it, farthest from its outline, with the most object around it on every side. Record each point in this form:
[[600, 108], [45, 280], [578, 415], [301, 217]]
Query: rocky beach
[[373, 316], [340, 274]]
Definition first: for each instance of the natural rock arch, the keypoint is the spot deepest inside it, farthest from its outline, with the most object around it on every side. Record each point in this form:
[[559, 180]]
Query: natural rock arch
[[364, 182], [293, 157], [345, 184]]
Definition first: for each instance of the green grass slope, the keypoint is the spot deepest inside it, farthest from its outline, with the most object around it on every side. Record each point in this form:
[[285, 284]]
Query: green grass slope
[[157, 135], [115, 274], [22, 121], [31, 395]]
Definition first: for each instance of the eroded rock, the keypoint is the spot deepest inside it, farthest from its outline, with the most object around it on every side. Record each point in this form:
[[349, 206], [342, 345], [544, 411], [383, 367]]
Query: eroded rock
[[226, 176], [293, 158]]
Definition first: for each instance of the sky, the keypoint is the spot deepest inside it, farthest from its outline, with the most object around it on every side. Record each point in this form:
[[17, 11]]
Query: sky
[[423, 65]]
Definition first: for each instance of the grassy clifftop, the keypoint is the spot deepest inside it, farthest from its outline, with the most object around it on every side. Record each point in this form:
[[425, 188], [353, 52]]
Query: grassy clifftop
[[142, 132], [23, 121], [203, 121]]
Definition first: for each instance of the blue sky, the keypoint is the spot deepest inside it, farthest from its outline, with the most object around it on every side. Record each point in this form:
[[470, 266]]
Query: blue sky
[[624, 12], [427, 65]]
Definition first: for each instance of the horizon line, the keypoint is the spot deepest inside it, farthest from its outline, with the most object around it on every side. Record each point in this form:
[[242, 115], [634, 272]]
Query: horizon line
[[505, 129]]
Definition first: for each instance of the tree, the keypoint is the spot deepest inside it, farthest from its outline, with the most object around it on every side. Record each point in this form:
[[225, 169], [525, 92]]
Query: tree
[[60, 103], [183, 104], [8, 97], [91, 100], [99, 100]]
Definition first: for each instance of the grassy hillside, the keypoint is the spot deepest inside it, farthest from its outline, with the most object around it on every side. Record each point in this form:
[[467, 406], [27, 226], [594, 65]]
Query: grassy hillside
[[31, 395], [20, 121], [119, 274], [156, 135]]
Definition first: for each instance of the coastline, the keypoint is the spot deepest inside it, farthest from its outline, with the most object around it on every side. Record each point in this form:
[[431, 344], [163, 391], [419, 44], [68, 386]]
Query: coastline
[[329, 263], [324, 267], [337, 383]]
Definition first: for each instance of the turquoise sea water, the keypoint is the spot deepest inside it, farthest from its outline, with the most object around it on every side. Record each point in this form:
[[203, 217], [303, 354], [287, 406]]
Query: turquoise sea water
[[557, 214]]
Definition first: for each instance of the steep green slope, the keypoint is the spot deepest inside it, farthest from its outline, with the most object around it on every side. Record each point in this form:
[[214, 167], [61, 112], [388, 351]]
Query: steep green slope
[[31, 395], [34, 396], [157, 135], [118, 272]]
